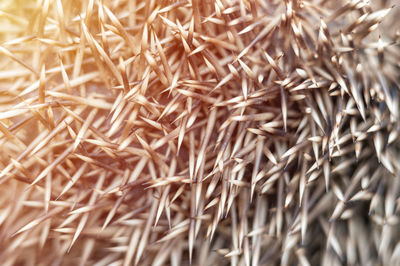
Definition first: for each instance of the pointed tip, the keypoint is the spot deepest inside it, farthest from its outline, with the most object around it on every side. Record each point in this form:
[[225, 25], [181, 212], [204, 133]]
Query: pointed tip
[[29, 186]]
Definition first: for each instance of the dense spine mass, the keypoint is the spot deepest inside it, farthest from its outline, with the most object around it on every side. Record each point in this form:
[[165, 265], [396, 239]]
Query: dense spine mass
[[227, 132]]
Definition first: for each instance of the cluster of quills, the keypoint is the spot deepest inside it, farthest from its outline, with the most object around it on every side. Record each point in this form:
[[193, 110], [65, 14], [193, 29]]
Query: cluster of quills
[[226, 132]]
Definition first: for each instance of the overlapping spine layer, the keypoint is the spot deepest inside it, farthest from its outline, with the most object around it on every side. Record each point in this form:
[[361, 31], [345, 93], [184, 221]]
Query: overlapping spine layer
[[242, 132]]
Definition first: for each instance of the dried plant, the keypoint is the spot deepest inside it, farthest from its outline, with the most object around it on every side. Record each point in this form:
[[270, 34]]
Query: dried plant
[[241, 132]]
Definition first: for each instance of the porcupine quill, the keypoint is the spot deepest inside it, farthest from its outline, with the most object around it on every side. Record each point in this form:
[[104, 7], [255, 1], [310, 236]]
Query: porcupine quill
[[243, 132]]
